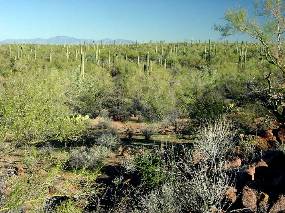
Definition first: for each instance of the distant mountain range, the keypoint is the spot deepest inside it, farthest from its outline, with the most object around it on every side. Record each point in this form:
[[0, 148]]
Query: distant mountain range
[[64, 40]]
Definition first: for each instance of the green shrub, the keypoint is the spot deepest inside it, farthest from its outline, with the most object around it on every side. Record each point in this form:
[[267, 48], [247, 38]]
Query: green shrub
[[33, 108], [92, 94], [68, 207], [208, 106], [251, 118], [152, 94], [150, 167]]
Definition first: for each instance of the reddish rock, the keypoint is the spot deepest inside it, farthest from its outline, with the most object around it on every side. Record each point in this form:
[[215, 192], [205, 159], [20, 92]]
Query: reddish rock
[[269, 136], [262, 143], [261, 163], [197, 157], [251, 171], [281, 134], [235, 163], [279, 206], [249, 198], [52, 190], [20, 170], [231, 194]]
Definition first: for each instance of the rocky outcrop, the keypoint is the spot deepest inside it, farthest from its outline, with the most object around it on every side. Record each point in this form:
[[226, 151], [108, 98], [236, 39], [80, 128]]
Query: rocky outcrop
[[261, 185]]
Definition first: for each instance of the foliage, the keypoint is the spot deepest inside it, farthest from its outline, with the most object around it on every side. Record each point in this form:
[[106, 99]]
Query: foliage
[[50, 100], [92, 93], [68, 207], [150, 167], [33, 108]]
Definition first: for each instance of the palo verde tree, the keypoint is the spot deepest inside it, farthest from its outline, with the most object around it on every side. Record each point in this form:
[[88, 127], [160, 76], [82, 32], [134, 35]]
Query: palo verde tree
[[267, 26]]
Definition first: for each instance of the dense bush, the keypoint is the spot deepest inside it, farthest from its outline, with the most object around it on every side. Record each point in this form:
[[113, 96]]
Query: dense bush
[[33, 108], [92, 94], [150, 167]]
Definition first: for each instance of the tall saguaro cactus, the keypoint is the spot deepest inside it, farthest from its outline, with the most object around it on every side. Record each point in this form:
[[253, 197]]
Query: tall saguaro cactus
[[18, 52], [208, 52], [50, 56], [82, 66], [67, 53], [147, 60], [209, 56], [35, 54], [242, 55], [76, 54], [109, 59], [10, 51]]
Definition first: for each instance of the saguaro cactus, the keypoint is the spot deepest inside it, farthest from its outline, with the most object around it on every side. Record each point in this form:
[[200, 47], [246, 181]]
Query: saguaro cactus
[[109, 59], [50, 55], [35, 53], [209, 56], [98, 59], [67, 53], [21, 51], [10, 51], [18, 52], [76, 54], [82, 66], [147, 59], [242, 55], [150, 67]]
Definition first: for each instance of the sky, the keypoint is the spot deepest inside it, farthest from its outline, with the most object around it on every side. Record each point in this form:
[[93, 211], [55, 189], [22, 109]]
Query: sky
[[142, 20]]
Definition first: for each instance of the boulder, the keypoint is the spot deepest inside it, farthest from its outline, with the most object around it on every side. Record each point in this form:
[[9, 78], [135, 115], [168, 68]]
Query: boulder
[[231, 194], [279, 206], [249, 198], [263, 202], [235, 163], [281, 134]]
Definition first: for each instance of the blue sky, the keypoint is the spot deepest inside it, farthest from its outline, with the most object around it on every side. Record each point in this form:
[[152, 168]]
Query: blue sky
[[143, 20]]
